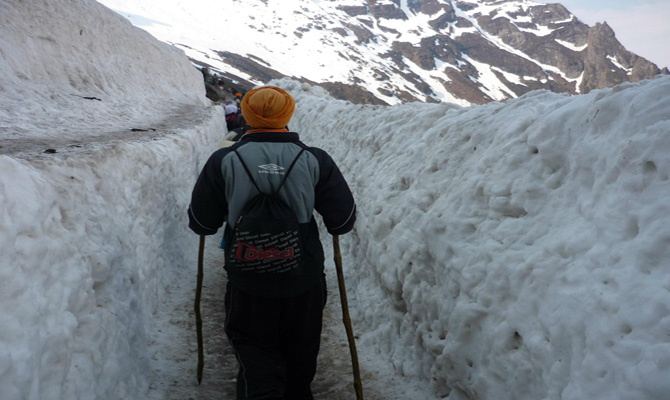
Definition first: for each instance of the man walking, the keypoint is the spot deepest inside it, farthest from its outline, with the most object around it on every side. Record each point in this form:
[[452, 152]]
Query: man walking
[[273, 321]]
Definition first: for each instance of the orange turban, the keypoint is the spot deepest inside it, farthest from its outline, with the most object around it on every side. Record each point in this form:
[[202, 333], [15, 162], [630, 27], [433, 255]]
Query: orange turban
[[267, 107]]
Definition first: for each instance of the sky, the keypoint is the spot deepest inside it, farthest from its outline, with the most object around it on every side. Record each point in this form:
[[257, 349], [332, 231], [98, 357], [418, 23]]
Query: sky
[[513, 250], [640, 25]]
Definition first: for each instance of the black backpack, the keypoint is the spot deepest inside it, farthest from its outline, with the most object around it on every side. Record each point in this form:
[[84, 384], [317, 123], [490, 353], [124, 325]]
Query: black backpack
[[266, 240]]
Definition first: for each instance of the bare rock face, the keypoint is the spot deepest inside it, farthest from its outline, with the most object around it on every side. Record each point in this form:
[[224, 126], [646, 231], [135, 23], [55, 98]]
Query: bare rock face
[[354, 11], [608, 63], [385, 11], [475, 51], [547, 49]]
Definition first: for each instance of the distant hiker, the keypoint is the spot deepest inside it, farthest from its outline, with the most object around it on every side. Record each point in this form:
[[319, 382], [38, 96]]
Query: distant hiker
[[236, 134], [234, 118], [273, 318], [231, 108], [239, 121]]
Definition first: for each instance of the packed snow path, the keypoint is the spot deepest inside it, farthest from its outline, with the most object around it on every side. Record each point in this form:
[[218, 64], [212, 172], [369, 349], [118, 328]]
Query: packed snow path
[[168, 120], [173, 342]]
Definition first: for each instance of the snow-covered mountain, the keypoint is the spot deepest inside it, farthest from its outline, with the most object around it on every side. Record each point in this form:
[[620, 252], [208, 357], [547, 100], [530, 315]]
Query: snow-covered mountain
[[391, 51]]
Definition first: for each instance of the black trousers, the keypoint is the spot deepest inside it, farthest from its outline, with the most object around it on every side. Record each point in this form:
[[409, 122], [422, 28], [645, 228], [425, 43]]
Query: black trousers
[[276, 342]]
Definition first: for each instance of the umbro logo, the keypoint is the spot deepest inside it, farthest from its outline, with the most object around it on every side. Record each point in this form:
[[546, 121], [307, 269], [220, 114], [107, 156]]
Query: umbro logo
[[273, 169]]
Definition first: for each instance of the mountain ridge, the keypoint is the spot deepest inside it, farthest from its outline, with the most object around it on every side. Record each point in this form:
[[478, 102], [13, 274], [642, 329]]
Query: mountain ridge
[[398, 51]]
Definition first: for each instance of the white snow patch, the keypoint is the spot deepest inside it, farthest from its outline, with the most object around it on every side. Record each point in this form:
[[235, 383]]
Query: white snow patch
[[616, 62], [572, 46]]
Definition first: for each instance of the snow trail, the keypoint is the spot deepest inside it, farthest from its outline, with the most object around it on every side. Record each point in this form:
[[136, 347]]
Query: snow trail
[[173, 344]]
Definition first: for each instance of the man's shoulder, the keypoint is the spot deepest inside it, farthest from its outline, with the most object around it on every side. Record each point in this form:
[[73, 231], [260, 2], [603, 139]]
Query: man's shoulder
[[225, 150], [319, 153]]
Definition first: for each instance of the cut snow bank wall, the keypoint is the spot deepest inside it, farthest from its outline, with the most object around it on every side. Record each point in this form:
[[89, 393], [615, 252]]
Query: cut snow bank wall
[[90, 235], [89, 241], [513, 250], [72, 66]]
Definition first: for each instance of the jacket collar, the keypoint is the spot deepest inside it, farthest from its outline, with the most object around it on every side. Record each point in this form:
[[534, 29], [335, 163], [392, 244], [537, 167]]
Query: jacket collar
[[271, 137]]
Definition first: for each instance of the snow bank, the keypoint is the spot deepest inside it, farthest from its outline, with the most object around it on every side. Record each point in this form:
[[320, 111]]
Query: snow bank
[[57, 53], [510, 251], [87, 246], [91, 234]]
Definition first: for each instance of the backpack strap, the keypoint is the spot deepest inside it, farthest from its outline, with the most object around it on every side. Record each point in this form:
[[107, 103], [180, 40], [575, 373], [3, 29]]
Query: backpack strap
[[283, 180], [247, 170], [289, 170]]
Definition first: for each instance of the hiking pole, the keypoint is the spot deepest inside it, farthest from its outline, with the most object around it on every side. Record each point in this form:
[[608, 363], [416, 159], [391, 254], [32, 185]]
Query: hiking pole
[[358, 386], [198, 317]]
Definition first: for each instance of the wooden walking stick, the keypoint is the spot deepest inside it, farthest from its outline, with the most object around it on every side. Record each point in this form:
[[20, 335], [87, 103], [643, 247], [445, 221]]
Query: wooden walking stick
[[198, 317], [358, 386]]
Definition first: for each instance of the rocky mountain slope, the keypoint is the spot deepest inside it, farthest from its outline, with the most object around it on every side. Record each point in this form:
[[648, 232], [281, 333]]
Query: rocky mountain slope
[[392, 51]]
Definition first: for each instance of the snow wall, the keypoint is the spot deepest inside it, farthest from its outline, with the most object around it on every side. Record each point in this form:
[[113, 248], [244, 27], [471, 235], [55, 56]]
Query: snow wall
[[65, 64], [89, 242], [91, 234], [513, 250]]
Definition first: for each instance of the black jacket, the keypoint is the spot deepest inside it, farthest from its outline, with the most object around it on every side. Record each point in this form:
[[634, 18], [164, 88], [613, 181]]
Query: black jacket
[[234, 121], [315, 183]]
